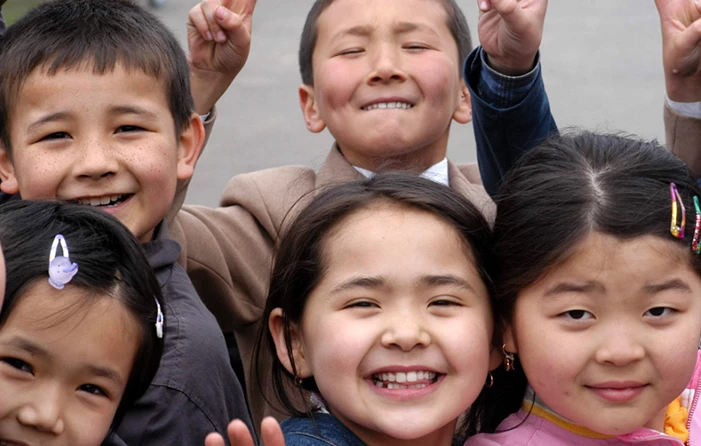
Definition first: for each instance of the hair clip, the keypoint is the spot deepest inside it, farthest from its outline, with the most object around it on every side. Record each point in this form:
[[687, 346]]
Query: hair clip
[[697, 228], [677, 230], [61, 270], [159, 320]]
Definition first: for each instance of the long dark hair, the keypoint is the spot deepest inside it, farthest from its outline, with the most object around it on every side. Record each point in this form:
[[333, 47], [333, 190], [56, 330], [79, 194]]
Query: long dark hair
[[111, 263], [299, 262], [564, 190]]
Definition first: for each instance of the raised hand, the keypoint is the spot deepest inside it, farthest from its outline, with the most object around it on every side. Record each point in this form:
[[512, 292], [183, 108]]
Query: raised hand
[[510, 32], [239, 434], [681, 54], [219, 37]]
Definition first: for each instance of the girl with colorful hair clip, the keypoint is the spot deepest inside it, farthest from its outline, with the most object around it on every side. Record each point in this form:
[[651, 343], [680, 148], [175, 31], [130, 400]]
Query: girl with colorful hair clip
[[599, 297], [380, 317], [80, 331]]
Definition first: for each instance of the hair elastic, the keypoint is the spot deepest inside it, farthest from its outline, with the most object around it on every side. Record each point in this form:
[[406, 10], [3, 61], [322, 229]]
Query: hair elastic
[[697, 228], [677, 230], [159, 320], [61, 269]]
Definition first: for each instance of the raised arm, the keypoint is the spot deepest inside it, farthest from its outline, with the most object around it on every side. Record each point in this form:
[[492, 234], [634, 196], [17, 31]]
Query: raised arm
[[680, 21], [511, 112]]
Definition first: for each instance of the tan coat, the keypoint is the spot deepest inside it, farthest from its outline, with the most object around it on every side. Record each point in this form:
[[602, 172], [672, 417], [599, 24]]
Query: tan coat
[[227, 251]]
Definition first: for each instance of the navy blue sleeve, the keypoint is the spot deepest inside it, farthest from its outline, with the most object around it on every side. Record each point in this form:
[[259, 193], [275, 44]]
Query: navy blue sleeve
[[510, 116]]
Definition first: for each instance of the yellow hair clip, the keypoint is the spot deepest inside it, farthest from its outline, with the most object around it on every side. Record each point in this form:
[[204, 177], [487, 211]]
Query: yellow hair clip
[[677, 230]]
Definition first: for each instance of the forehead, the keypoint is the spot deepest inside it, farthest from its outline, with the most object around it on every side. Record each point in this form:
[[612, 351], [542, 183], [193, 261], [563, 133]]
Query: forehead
[[341, 15]]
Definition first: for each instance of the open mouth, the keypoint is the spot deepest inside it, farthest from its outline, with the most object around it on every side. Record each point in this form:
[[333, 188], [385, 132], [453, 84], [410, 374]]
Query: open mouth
[[389, 105], [402, 380], [102, 202]]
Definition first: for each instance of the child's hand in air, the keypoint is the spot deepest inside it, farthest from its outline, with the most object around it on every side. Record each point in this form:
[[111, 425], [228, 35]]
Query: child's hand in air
[[219, 37], [510, 32], [240, 436], [681, 54]]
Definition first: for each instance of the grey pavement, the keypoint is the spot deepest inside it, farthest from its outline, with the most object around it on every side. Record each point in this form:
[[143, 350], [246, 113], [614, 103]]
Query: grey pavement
[[602, 63]]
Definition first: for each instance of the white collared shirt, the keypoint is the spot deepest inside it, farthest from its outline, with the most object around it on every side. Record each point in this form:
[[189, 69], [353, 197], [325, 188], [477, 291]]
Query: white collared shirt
[[438, 172]]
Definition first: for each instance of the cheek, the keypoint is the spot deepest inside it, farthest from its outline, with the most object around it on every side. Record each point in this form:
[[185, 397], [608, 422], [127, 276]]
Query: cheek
[[334, 84]]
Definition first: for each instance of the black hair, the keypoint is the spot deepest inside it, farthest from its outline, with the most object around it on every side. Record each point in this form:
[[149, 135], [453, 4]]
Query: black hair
[[456, 21], [97, 34], [562, 191], [299, 261], [111, 263]]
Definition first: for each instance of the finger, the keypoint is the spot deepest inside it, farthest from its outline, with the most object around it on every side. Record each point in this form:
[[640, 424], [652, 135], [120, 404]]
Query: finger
[[208, 8], [227, 20], [239, 434], [240, 7], [687, 43], [198, 21], [272, 433], [485, 5], [512, 14], [214, 439]]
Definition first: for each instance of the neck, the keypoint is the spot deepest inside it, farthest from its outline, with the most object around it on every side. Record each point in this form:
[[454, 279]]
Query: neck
[[416, 161]]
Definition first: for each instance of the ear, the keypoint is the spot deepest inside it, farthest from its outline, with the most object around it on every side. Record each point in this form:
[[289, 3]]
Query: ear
[[463, 112], [277, 329], [8, 180], [189, 147], [307, 101]]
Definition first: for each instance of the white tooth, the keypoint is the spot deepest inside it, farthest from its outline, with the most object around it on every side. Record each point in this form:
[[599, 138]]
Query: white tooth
[[421, 375], [431, 375], [392, 105], [94, 202], [391, 377], [104, 200], [411, 377], [401, 377], [382, 105], [114, 198]]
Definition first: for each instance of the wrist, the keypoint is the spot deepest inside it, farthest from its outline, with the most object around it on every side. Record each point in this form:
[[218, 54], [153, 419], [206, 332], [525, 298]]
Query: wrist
[[683, 89], [510, 66], [207, 87]]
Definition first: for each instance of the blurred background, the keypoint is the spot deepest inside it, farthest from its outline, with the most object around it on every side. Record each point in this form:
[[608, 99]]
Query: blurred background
[[602, 65]]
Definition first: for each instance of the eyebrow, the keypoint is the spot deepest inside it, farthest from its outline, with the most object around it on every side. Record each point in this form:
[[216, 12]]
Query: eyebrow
[[134, 110], [674, 284], [52, 117], [26, 345], [563, 288], [449, 279], [399, 28], [359, 282], [105, 372]]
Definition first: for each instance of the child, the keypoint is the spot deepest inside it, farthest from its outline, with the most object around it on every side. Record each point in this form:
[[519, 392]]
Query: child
[[376, 287], [227, 251], [599, 295], [75, 353], [95, 108]]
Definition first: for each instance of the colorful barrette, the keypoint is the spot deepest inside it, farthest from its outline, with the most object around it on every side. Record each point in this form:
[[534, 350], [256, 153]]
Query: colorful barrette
[[677, 230], [61, 269], [159, 320], [697, 228]]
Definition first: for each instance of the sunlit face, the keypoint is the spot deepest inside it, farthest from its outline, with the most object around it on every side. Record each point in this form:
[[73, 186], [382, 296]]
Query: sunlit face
[[64, 366], [386, 81], [397, 333], [609, 337], [107, 141]]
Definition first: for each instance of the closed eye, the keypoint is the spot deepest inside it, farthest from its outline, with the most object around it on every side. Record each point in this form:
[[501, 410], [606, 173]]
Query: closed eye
[[362, 304], [129, 128], [351, 52], [18, 364], [55, 136]]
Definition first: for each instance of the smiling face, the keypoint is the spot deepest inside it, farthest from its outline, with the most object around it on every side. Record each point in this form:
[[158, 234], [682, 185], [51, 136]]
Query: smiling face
[[386, 81], [63, 372], [609, 337], [102, 140], [397, 333]]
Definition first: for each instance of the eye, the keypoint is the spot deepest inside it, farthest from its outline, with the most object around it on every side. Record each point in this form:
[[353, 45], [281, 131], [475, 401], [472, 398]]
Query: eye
[[362, 304], [577, 315], [129, 128], [660, 311], [442, 302], [54, 136], [18, 364], [415, 47], [351, 52], [93, 389]]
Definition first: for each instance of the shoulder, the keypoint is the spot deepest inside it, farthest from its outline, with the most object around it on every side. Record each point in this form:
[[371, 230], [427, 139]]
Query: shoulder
[[322, 429], [471, 172]]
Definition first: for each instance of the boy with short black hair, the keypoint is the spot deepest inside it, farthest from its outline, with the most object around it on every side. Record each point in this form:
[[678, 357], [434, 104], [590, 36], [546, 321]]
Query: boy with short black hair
[[95, 108]]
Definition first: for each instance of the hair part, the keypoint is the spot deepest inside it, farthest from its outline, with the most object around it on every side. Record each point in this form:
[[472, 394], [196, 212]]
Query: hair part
[[96, 35], [569, 187], [111, 261], [300, 263], [456, 21]]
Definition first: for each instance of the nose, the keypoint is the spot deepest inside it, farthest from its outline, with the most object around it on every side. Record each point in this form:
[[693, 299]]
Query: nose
[[43, 411], [405, 331], [386, 66], [96, 160], [620, 347]]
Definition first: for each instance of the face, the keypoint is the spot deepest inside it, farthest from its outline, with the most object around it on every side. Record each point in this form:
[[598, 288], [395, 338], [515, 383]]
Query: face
[[63, 372], [608, 338], [397, 333], [2, 277], [106, 141], [386, 81]]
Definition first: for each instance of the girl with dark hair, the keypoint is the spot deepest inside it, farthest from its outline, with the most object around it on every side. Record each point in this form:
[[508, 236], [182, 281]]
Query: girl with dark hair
[[599, 294], [379, 315], [81, 324]]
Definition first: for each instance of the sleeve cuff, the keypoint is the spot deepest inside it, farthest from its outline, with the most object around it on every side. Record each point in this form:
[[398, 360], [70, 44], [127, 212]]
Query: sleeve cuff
[[690, 109]]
